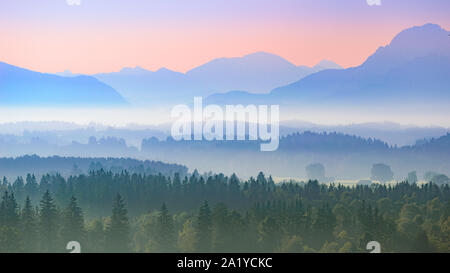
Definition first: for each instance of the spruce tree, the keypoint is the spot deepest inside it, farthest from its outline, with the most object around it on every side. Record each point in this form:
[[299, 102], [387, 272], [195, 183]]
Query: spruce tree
[[73, 223], [165, 237], [221, 228], [31, 186], [204, 229], [48, 225], [29, 226], [9, 215], [118, 231], [10, 239]]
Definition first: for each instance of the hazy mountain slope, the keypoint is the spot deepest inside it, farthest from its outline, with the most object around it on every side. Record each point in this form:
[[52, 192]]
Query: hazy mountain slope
[[20, 86], [140, 86], [258, 72], [414, 67]]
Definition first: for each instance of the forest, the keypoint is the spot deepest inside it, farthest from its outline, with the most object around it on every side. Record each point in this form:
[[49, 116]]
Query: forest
[[344, 156], [137, 212], [16, 166]]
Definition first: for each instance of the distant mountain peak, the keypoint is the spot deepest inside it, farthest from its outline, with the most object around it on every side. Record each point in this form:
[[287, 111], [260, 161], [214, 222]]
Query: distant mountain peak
[[67, 73], [412, 43], [428, 34], [134, 70], [255, 60], [412, 70], [327, 64], [262, 54], [164, 70]]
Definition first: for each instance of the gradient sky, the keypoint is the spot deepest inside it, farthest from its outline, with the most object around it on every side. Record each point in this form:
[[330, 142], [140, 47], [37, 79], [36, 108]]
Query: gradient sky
[[106, 35]]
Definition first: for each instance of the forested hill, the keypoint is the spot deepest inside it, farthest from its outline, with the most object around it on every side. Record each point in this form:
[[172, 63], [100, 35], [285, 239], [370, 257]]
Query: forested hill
[[434, 145], [344, 156], [337, 142], [76, 165], [297, 142], [306, 141], [311, 142], [327, 142]]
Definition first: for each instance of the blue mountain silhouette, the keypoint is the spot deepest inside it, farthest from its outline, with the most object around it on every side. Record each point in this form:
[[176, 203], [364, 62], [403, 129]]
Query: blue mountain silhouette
[[20, 86], [258, 72], [414, 68]]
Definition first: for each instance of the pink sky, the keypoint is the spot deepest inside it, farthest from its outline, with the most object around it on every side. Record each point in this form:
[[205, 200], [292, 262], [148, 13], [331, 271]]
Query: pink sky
[[104, 36]]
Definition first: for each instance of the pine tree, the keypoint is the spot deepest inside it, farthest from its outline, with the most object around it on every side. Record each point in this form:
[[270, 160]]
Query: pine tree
[[18, 188], [10, 239], [28, 226], [9, 215], [73, 223], [48, 225], [221, 228], [204, 229], [165, 238], [118, 231], [31, 186]]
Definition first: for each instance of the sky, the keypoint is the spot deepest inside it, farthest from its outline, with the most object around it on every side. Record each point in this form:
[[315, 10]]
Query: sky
[[92, 36]]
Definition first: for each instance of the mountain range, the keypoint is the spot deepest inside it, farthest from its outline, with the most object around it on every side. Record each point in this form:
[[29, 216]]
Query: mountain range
[[259, 72], [413, 69], [255, 73]]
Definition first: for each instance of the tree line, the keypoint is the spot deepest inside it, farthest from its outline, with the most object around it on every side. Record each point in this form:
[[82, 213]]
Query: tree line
[[71, 165], [130, 212]]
